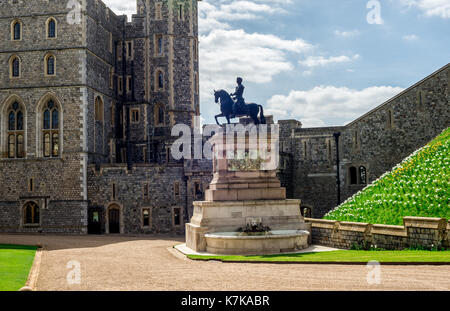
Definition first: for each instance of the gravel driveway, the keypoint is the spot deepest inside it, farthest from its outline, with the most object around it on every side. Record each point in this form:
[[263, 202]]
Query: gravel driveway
[[149, 263]]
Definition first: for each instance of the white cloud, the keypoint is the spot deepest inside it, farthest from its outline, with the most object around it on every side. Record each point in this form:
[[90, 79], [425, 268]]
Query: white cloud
[[431, 8], [316, 61], [347, 34], [122, 7], [323, 105], [257, 57], [410, 38]]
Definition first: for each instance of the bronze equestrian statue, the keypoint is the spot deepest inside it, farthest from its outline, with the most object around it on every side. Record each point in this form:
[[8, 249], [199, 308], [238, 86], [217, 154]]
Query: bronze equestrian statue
[[237, 108]]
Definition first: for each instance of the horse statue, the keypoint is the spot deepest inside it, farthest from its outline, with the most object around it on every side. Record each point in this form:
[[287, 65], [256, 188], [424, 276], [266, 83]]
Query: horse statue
[[226, 107]]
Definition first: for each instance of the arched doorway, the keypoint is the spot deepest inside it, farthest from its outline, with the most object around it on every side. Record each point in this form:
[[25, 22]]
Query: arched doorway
[[113, 219]]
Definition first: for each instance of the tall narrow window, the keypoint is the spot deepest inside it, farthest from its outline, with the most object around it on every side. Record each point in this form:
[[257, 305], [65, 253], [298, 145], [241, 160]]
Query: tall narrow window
[[176, 189], [180, 12], [390, 118], [31, 185], [129, 84], [119, 50], [362, 175], [15, 66], [420, 101], [98, 107], [159, 115], [110, 41], [145, 190], [114, 191], [51, 140], [16, 143], [305, 150], [196, 83], [356, 140], [113, 113], [16, 30], [159, 46], [120, 85], [50, 65], [129, 48], [111, 78], [51, 28], [160, 80], [195, 50]]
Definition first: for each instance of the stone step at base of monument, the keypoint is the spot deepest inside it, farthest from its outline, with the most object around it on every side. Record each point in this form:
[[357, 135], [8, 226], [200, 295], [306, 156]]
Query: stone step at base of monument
[[245, 185], [245, 194]]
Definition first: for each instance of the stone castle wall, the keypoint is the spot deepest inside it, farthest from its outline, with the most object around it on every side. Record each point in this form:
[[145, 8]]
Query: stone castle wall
[[160, 198], [57, 183], [416, 232]]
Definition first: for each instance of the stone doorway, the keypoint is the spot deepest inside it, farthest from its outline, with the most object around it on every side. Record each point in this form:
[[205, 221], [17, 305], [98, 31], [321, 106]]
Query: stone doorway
[[113, 219], [95, 220]]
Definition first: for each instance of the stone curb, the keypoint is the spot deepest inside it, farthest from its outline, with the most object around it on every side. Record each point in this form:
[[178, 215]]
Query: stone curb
[[30, 285], [347, 263]]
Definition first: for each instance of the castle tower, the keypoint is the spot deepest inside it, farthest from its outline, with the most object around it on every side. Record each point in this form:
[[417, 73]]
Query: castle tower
[[163, 72], [172, 47]]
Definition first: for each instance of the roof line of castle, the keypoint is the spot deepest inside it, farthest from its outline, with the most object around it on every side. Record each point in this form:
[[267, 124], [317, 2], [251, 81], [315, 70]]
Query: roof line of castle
[[399, 95]]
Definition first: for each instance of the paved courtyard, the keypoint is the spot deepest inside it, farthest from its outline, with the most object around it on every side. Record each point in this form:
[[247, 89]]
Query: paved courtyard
[[149, 263]]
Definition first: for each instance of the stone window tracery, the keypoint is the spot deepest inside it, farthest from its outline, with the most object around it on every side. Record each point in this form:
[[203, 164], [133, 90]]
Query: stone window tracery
[[16, 134], [50, 130]]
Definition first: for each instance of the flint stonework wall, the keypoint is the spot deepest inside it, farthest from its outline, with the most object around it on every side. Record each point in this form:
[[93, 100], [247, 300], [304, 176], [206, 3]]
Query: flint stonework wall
[[58, 186]]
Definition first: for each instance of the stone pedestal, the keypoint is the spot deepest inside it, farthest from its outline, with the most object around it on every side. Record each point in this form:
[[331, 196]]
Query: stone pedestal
[[245, 190]]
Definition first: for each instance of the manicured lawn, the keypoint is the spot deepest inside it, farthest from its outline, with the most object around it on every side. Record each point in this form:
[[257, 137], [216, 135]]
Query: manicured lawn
[[15, 264], [342, 256], [419, 186]]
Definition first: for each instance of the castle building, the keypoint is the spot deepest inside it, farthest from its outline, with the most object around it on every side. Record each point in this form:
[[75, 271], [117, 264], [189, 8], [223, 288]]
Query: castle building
[[88, 101]]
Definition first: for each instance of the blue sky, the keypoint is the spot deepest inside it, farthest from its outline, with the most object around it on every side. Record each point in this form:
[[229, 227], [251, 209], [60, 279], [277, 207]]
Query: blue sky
[[321, 62]]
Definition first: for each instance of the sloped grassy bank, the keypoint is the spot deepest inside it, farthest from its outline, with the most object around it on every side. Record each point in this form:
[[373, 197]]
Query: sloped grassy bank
[[419, 186]]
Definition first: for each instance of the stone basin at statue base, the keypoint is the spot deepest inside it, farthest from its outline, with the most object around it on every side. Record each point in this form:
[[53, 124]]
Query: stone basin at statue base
[[273, 242]]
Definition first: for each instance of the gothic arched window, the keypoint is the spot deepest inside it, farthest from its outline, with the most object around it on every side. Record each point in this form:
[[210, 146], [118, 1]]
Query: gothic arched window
[[16, 30], [51, 28], [50, 65], [31, 214], [16, 142], [15, 66], [50, 129]]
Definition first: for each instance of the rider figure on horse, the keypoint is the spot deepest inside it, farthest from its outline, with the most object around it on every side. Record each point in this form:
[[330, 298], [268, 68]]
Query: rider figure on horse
[[239, 104]]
